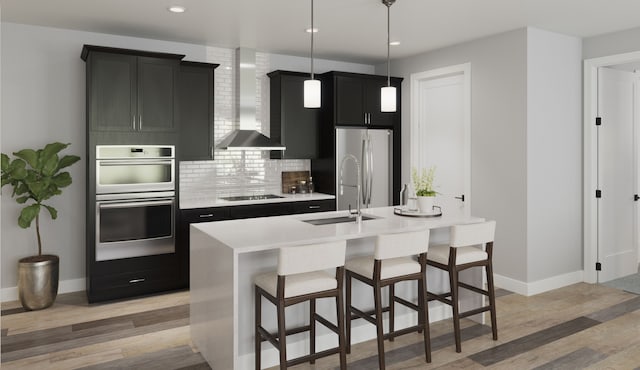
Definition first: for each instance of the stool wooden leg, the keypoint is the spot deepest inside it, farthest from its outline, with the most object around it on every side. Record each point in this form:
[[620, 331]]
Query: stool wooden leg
[[282, 336], [391, 310], [492, 300], [377, 297], [453, 281], [258, 323], [348, 311], [341, 339], [423, 317], [312, 328]]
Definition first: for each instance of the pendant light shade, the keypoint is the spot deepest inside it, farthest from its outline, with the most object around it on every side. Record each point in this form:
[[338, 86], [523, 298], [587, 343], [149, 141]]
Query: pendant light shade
[[388, 99], [388, 93], [312, 87], [312, 93]]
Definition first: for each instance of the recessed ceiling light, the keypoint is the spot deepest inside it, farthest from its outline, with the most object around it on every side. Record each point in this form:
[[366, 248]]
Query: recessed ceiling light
[[394, 43], [176, 9], [308, 30]]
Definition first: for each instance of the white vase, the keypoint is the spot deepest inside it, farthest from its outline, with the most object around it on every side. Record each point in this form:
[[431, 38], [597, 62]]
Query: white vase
[[425, 204]]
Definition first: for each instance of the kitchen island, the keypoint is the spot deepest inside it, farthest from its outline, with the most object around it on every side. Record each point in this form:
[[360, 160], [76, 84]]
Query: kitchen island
[[226, 255]]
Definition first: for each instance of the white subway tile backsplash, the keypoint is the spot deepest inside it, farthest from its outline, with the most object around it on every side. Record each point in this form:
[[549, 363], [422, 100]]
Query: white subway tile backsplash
[[235, 173]]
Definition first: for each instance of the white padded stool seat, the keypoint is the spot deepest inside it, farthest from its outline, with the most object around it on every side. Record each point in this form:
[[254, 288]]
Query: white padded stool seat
[[297, 284], [391, 267], [440, 254]]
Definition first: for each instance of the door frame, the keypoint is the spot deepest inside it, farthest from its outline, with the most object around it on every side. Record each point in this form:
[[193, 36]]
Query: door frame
[[458, 69], [590, 159]]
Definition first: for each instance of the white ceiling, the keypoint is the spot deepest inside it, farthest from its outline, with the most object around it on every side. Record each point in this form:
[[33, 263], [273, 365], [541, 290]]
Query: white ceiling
[[350, 30]]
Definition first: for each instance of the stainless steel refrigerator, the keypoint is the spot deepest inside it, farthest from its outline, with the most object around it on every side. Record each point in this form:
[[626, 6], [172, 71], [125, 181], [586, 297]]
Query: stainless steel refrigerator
[[374, 150]]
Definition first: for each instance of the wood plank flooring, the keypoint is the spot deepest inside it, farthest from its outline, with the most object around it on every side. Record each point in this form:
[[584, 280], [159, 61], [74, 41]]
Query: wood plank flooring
[[581, 326]]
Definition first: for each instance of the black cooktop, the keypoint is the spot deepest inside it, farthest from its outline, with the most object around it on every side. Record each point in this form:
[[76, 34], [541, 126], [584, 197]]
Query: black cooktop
[[251, 197]]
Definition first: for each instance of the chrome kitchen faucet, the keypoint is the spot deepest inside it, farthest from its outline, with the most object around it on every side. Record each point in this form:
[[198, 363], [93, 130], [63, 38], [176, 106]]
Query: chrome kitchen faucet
[[357, 185]]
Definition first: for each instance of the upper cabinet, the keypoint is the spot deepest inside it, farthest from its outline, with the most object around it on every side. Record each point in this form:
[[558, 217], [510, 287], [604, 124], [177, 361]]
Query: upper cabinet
[[293, 125], [131, 91], [355, 99], [196, 114]]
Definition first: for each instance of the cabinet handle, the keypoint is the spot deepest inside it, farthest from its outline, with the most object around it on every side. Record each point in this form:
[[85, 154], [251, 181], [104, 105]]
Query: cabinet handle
[[133, 123], [314, 207], [140, 123], [133, 281], [207, 215], [368, 118], [365, 118]]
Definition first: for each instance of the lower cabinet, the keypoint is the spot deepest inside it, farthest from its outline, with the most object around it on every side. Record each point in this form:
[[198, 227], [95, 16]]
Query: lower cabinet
[[196, 215], [129, 277]]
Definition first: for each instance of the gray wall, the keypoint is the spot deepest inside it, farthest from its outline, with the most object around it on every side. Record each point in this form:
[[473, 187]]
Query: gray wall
[[611, 43], [498, 134], [554, 154]]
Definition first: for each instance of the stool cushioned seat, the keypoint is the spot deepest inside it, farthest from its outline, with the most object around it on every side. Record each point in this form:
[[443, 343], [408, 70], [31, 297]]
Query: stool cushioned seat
[[390, 268], [440, 254], [297, 284]]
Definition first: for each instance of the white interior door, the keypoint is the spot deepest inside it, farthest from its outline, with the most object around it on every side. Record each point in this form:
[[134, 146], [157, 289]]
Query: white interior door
[[617, 174], [440, 133]]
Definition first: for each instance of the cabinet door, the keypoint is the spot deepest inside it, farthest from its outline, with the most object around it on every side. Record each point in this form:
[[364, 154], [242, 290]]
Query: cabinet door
[[196, 112], [349, 102], [373, 102], [157, 94], [112, 88], [296, 127]]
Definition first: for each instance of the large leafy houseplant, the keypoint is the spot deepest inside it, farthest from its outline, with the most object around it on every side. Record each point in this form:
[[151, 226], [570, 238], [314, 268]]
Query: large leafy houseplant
[[36, 176]]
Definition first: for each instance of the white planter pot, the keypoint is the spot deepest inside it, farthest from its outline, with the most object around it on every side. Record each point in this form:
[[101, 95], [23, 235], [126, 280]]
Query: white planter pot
[[425, 204]]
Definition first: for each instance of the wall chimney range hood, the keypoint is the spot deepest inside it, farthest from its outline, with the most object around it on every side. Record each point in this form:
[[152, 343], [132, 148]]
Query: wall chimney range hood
[[246, 137]]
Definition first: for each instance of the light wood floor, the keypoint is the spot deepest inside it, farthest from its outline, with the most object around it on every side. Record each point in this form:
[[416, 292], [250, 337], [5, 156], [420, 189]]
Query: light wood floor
[[581, 326]]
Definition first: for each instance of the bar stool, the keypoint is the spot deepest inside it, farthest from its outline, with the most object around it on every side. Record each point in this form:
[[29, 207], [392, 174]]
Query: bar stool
[[301, 277], [465, 250], [391, 263]]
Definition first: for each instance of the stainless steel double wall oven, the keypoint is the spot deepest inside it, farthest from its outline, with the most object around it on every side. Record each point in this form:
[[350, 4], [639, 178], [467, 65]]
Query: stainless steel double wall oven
[[135, 201]]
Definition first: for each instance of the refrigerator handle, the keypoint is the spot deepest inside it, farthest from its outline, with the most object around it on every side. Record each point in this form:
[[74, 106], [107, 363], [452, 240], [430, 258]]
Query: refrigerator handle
[[365, 170], [370, 175]]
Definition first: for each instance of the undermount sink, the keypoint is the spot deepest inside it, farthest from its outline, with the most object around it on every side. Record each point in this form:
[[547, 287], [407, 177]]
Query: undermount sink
[[337, 220]]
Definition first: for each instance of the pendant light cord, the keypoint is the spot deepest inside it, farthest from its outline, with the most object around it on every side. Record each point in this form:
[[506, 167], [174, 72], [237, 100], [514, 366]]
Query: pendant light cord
[[312, 31], [388, 43]]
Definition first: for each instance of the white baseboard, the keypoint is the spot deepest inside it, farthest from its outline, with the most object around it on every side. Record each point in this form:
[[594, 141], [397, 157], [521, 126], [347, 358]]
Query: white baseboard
[[360, 333], [540, 286], [64, 286]]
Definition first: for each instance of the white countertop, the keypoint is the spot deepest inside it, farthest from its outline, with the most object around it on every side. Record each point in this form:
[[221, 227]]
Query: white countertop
[[213, 201], [256, 234]]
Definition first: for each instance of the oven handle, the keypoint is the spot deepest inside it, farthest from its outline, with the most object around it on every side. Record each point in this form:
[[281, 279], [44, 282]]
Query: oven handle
[[133, 162], [109, 205]]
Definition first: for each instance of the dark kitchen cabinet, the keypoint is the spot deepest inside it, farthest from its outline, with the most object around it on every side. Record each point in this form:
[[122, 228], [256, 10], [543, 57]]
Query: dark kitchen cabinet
[[355, 100], [313, 206], [131, 91], [196, 110], [292, 124]]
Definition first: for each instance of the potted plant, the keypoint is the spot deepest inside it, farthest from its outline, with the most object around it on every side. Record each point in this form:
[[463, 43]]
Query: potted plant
[[423, 184], [35, 176]]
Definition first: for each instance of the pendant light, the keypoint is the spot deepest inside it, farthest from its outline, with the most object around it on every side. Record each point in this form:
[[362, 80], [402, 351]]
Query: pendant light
[[312, 86], [388, 93]]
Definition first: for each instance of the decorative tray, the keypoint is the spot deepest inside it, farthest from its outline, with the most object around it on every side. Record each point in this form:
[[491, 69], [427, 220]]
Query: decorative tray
[[402, 211]]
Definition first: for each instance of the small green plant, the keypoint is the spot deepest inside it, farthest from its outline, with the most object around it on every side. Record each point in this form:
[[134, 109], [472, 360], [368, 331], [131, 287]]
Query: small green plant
[[35, 175], [423, 181]]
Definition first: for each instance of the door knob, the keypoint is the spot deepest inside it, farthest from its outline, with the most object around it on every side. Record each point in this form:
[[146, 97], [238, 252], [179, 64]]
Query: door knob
[[461, 197]]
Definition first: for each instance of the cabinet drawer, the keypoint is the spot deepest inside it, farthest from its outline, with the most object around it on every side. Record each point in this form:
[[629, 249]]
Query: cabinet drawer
[[132, 283], [315, 206], [205, 214], [260, 210]]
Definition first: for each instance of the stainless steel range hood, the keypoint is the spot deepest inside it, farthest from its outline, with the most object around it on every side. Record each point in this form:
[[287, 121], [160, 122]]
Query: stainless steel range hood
[[246, 137]]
